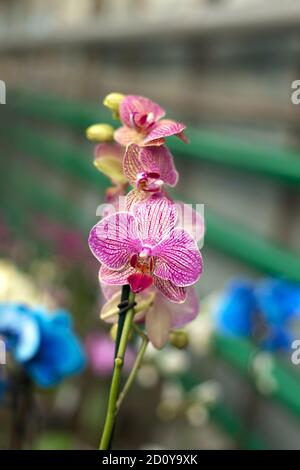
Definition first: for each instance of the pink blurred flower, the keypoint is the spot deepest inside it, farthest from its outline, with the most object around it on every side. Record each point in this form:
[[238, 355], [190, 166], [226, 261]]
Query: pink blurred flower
[[68, 242], [160, 316], [144, 248], [143, 124], [100, 350]]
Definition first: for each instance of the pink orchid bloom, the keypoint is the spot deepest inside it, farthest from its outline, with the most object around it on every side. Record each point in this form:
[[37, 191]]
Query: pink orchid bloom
[[149, 168], [143, 124], [144, 248], [160, 317], [100, 350]]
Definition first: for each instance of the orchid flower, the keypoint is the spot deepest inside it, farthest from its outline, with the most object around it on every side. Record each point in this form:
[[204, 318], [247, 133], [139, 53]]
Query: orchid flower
[[147, 169], [264, 312], [143, 124], [159, 314], [44, 344], [144, 248]]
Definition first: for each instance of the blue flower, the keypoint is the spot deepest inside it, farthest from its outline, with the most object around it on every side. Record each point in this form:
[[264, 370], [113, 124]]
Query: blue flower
[[278, 300], [43, 343], [236, 310], [263, 312], [277, 338], [19, 330]]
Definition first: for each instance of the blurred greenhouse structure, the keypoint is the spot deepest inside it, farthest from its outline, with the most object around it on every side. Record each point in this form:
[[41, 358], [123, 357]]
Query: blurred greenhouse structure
[[225, 67]]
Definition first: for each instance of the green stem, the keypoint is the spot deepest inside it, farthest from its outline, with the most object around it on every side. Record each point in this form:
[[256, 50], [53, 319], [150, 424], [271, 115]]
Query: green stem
[[22, 407], [124, 297], [116, 378], [134, 371]]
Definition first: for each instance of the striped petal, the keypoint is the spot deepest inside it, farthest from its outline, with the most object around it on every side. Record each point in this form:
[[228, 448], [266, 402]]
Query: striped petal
[[115, 277], [135, 196], [139, 105], [159, 160], [169, 290], [178, 259], [132, 164], [155, 219], [114, 239], [164, 128]]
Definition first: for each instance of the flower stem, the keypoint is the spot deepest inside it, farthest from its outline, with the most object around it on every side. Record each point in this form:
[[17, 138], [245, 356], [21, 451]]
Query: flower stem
[[134, 371], [124, 327], [22, 408]]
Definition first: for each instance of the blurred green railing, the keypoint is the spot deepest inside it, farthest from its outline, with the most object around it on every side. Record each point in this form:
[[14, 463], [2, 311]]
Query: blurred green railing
[[275, 163], [241, 353], [68, 161]]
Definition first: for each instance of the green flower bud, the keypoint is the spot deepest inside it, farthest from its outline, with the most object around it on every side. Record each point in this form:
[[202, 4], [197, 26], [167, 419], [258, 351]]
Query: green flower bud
[[112, 101], [100, 133], [179, 339]]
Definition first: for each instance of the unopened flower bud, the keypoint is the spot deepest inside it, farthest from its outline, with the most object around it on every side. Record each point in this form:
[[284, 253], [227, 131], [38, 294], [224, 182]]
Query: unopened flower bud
[[112, 101], [100, 133], [179, 339]]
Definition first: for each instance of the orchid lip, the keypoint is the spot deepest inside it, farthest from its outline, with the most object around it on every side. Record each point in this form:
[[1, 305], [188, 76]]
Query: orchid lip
[[154, 187], [139, 282], [142, 181], [143, 261]]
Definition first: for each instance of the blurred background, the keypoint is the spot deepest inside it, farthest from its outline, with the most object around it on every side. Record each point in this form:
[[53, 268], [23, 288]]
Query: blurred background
[[224, 67]]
